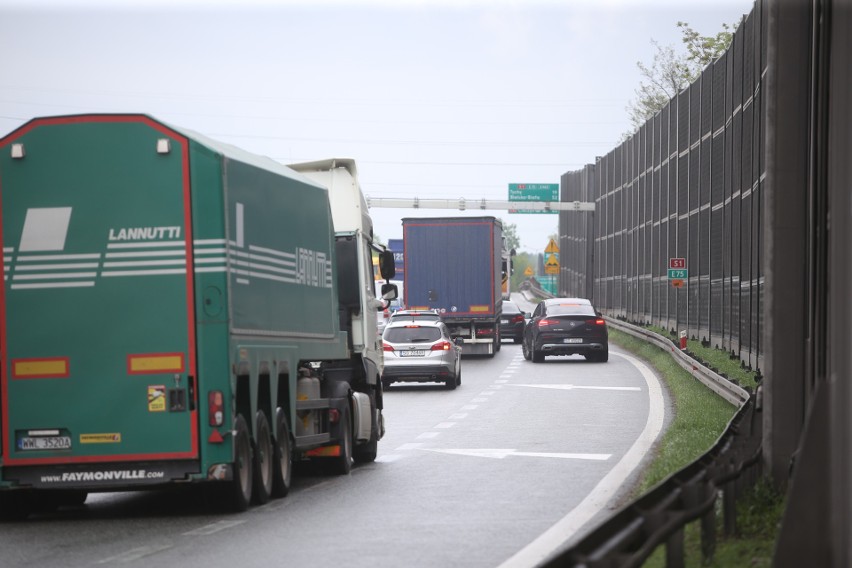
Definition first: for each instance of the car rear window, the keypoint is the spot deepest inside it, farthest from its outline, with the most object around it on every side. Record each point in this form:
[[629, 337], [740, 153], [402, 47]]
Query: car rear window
[[425, 317], [570, 310], [510, 308], [413, 334]]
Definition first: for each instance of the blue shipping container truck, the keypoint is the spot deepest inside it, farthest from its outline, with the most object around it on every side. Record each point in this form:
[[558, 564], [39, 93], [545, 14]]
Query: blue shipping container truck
[[453, 265]]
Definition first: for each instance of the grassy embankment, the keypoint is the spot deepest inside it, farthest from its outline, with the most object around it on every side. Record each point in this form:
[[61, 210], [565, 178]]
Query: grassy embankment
[[700, 417]]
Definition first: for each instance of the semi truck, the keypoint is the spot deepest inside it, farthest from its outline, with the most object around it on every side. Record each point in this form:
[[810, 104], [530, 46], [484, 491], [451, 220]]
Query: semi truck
[[454, 265], [177, 311]]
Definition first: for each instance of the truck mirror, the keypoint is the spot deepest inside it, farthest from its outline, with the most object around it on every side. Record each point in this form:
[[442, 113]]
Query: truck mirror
[[387, 266], [389, 292]]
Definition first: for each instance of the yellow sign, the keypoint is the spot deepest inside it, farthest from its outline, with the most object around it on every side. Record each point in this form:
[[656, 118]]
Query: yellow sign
[[156, 398], [552, 247], [528, 271], [100, 438], [551, 266]]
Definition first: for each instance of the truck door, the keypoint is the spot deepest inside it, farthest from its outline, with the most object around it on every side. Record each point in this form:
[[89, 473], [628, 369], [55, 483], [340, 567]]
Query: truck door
[[98, 346]]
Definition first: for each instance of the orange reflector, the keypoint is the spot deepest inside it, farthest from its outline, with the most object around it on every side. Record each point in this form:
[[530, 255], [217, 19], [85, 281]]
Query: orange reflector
[[215, 437], [47, 368], [324, 452], [155, 363], [477, 309]]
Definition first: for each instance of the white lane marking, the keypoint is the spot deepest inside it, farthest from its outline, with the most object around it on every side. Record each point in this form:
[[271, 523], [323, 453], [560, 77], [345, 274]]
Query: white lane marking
[[389, 458], [557, 535], [428, 435], [470, 407], [479, 400], [501, 454], [445, 425], [486, 393], [213, 528], [136, 554], [408, 446], [501, 381], [458, 416], [586, 387]]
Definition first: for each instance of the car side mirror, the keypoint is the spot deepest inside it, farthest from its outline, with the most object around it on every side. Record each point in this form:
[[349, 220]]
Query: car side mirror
[[527, 315], [458, 341]]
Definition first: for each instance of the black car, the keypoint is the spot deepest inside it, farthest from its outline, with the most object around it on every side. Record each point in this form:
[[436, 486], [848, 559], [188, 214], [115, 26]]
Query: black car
[[566, 326], [512, 322]]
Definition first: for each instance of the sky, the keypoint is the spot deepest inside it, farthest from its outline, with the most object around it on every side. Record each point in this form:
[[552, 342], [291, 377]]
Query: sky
[[433, 99]]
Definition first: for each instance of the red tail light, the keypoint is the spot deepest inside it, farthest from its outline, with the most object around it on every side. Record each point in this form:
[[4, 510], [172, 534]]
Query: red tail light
[[518, 318], [216, 408], [485, 331], [442, 346], [547, 322], [386, 347], [599, 321]]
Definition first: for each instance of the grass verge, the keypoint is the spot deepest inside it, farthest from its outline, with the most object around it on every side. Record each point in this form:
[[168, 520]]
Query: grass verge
[[700, 417]]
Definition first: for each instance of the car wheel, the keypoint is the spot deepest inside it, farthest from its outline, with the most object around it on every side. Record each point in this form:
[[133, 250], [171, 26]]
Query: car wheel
[[525, 350], [517, 340]]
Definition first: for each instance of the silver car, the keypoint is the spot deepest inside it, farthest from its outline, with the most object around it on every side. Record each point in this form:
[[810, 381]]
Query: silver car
[[420, 351]]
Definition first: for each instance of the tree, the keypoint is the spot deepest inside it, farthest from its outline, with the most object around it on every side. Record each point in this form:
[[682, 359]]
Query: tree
[[510, 233], [671, 72]]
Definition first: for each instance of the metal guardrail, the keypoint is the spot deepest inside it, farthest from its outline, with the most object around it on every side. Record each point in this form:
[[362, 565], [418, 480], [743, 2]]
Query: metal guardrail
[[731, 392], [659, 516]]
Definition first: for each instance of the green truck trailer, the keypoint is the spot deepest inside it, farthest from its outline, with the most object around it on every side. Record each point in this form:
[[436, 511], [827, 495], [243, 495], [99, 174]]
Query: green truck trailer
[[178, 311]]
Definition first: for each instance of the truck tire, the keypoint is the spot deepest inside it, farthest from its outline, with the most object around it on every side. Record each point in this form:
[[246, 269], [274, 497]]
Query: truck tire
[[263, 460], [366, 453], [282, 470], [342, 464], [237, 494]]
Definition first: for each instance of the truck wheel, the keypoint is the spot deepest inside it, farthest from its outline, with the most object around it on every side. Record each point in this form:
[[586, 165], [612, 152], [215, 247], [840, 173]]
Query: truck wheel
[[282, 469], [342, 464], [238, 494], [263, 458], [366, 453], [497, 342]]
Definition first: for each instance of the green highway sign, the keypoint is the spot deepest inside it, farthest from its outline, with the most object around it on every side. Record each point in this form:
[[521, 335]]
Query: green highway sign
[[533, 192], [678, 273]]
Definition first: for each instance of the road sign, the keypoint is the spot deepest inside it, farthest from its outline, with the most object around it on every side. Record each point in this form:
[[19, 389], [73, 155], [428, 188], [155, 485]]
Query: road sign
[[551, 266], [528, 271], [676, 283], [676, 273], [552, 247], [677, 263], [533, 192]]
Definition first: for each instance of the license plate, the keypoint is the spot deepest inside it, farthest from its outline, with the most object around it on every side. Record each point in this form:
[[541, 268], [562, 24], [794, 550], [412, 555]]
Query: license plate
[[504, 321], [573, 340], [45, 443], [412, 353]]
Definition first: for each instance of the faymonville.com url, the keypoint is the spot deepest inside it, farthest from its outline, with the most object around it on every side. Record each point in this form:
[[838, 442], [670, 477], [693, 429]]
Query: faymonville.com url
[[95, 476]]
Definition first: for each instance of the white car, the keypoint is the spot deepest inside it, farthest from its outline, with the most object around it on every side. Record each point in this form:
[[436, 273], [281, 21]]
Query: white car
[[420, 351]]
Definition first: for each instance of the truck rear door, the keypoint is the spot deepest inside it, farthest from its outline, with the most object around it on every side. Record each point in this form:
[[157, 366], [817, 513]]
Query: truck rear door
[[98, 346]]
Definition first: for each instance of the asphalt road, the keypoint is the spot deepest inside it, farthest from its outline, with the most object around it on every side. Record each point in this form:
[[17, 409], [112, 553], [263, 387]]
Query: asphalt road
[[502, 471]]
